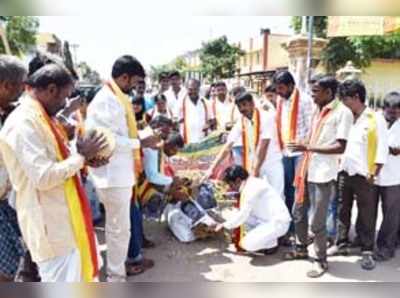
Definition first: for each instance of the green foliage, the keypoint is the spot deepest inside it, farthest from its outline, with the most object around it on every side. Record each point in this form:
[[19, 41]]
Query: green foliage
[[178, 64], [21, 33], [359, 49], [88, 74], [219, 58]]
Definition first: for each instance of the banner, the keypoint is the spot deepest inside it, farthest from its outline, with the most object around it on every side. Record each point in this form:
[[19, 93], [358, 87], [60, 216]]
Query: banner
[[195, 159], [391, 24], [355, 26], [362, 26]]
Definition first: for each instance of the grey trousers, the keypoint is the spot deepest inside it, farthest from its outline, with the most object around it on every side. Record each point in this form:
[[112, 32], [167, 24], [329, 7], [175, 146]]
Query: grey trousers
[[316, 204], [387, 236]]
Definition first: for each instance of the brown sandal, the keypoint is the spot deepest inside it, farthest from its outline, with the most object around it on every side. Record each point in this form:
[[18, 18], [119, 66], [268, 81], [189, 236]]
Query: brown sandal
[[295, 255], [144, 263], [132, 270]]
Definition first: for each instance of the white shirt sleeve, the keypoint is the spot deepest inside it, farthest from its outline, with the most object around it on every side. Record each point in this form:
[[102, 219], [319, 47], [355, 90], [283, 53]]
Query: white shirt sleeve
[[267, 125], [251, 193], [239, 217], [106, 113], [345, 121], [236, 132], [383, 147], [153, 174]]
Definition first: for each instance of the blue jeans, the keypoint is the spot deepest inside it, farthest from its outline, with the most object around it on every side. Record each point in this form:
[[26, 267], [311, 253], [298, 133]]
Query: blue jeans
[[136, 241], [332, 218], [289, 165]]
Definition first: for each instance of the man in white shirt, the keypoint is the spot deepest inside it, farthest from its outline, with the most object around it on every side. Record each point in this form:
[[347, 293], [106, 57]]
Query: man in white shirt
[[317, 173], [223, 108], [366, 152], [262, 216], [293, 118], [194, 114], [175, 93], [389, 182], [261, 154], [114, 182]]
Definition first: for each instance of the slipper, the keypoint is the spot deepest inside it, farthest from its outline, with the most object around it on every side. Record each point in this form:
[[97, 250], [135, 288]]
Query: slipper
[[295, 255], [319, 269], [144, 263], [367, 261], [132, 270]]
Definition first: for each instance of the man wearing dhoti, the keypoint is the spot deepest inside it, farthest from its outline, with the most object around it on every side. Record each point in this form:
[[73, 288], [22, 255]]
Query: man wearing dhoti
[[52, 207]]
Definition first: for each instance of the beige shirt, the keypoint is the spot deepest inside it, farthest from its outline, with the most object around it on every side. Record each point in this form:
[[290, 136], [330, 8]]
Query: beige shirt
[[38, 179], [325, 167]]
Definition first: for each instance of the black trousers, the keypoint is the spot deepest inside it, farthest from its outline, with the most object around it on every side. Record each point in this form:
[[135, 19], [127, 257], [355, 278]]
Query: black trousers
[[387, 236], [359, 189]]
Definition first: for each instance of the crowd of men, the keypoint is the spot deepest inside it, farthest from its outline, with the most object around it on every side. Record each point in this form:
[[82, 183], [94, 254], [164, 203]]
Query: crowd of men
[[296, 161]]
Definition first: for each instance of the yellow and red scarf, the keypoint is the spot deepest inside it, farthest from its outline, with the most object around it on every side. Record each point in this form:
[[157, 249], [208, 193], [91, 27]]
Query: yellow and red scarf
[[301, 173], [185, 118], [290, 134], [246, 139], [123, 99], [78, 203]]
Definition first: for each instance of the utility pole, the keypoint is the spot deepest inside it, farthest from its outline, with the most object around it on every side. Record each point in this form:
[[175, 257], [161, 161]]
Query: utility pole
[[310, 45], [3, 33]]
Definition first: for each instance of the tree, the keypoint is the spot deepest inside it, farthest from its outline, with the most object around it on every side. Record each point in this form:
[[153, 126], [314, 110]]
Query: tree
[[359, 49], [21, 33], [178, 64], [218, 58], [89, 75]]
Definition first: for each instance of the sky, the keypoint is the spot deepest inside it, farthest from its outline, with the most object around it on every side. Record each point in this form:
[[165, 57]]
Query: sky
[[154, 40]]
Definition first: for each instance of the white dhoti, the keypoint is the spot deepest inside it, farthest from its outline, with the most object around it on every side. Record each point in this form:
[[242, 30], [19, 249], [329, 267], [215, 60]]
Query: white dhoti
[[117, 203], [274, 174], [61, 269], [263, 235]]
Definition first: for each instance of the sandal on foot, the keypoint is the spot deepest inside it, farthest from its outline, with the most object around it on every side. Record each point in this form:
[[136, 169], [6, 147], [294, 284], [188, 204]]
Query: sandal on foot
[[319, 269], [295, 255], [132, 270], [144, 263], [367, 261]]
